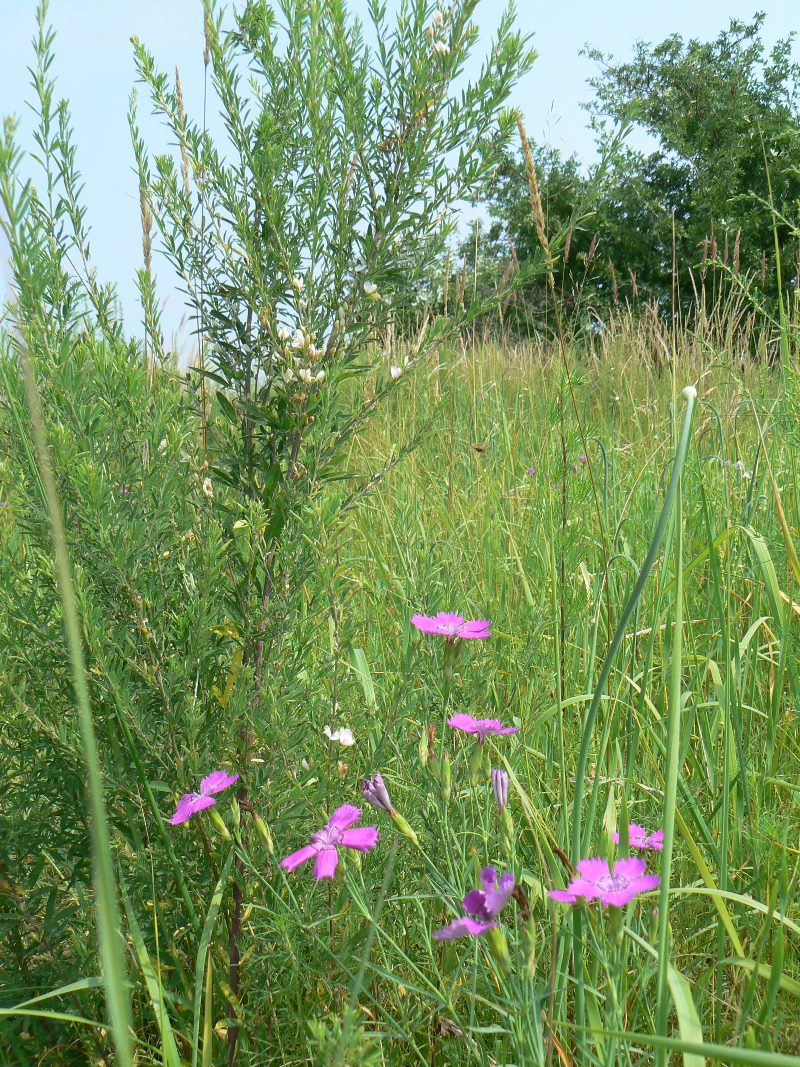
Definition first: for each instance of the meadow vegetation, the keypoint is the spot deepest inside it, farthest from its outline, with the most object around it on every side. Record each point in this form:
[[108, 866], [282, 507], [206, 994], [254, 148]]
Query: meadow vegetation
[[251, 557]]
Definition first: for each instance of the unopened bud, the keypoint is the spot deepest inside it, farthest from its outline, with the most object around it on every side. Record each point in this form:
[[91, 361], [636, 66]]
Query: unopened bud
[[500, 788], [216, 819], [404, 827], [263, 830], [445, 778], [498, 946], [423, 750]]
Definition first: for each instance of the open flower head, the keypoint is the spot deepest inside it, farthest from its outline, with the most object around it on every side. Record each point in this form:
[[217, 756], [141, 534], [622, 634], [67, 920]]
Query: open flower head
[[639, 838], [343, 736], [480, 727], [451, 626], [596, 881], [481, 907], [191, 802], [325, 843]]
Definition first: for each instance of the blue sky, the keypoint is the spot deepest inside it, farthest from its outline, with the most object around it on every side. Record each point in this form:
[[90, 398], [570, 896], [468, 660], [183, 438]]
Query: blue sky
[[95, 71]]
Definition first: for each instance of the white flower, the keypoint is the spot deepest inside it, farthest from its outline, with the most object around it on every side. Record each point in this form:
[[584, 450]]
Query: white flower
[[342, 735], [438, 18], [397, 240], [208, 488], [360, 267], [371, 291], [315, 353], [689, 392], [395, 372], [441, 48], [298, 284], [284, 333], [307, 375], [162, 448], [298, 339], [288, 375]]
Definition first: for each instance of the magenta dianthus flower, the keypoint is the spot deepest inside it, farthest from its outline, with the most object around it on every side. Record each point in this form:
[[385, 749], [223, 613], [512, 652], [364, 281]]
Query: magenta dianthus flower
[[596, 881], [480, 727], [484, 904], [335, 835], [638, 837], [451, 626], [192, 802]]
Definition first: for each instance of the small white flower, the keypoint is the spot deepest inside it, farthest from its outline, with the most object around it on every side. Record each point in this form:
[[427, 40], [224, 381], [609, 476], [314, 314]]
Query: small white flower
[[306, 375], [397, 240], [162, 448], [288, 375], [298, 339], [441, 48], [208, 488], [395, 372], [689, 392], [315, 353], [284, 333], [739, 466], [371, 291], [360, 267], [298, 284], [438, 18], [342, 735], [320, 376]]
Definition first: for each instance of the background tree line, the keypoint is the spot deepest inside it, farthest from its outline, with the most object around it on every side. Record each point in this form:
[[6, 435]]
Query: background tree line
[[685, 226]]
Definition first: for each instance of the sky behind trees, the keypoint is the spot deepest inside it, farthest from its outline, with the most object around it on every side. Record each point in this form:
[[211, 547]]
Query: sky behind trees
[[95, 71]]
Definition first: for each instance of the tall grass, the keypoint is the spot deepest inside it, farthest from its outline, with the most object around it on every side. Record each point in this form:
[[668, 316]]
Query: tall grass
[[452, 527]]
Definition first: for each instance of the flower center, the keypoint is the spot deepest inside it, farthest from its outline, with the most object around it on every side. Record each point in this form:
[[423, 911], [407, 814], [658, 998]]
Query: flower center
[[330, 837], [612, 883]]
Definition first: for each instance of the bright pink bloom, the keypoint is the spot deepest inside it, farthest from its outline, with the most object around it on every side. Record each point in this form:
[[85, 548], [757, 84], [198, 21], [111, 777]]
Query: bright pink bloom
[[638, 837], [596, 881], [481, 727], [485, 904], [192, 802], [326, 842], [445, 624]]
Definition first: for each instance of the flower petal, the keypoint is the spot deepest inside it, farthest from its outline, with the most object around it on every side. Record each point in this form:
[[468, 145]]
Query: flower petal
[[460, 721], [362, 838], [617, 898], [646, 883], [476, 629], [593, 868], [188, 805], [630, 867], [296, 858], [325, 867], [344, 816], [563, 896], [463, 927], [475, 903], [216, 782]]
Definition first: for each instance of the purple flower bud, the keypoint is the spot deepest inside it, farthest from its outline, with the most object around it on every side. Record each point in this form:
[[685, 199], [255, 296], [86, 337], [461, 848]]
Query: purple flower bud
[[583, 459], [500, 787], [375, 793], [531, 471], [574, 468]]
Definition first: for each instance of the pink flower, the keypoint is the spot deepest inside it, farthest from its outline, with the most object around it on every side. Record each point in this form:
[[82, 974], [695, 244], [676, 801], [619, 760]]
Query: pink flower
[[638, 837], [192, 802], [326, 842], [596, 881], [485, 904], [481, 727], [445, 624]]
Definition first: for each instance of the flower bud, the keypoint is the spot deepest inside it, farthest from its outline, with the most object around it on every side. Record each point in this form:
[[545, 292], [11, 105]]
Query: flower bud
[[500, 788], [475, 764], [423, 749], [374, 791], [498, 946], [216, 819], [445, 778], [404, 827], [263, 830]]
